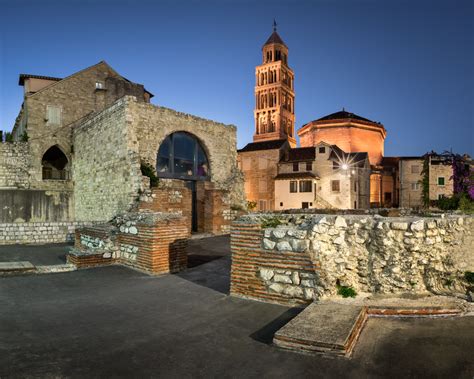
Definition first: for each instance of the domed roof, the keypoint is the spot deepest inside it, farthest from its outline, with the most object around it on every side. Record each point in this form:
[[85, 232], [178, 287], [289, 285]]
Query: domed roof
[[345, 115]]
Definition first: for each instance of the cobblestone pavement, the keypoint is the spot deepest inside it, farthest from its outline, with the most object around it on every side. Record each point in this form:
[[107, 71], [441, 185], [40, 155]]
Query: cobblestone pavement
[[113, 321]]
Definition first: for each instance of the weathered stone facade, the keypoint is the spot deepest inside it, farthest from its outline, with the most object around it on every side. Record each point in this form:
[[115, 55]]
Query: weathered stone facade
[[106, 165], [14, 164], [315, 254]]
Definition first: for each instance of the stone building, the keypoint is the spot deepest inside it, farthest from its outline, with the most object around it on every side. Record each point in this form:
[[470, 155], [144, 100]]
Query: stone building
[[323, 176], [82, 143], [440, 181]]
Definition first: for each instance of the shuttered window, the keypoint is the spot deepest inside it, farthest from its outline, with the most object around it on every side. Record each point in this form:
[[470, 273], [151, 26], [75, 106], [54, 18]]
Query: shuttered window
[[53, 115]]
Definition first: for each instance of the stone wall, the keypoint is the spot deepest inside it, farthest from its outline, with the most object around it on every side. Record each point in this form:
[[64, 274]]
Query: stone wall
[[153, 124], [22, 205], [14, 163], [372, 254], [106, 165], [38, 232]]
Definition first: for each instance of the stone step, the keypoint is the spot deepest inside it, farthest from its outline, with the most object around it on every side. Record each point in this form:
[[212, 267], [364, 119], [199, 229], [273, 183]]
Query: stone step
[[328, 328], [52, 269], [13, 267]]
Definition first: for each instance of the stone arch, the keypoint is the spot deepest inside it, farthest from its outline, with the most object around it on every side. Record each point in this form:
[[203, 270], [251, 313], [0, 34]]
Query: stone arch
[[183, 155], [55, 164]]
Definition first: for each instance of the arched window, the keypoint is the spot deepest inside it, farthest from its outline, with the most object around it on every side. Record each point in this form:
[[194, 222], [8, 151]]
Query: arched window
[[55, 164], [181, 156]]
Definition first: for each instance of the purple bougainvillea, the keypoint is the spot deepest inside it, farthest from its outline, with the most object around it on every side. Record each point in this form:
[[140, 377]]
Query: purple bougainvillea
[[463, 176]]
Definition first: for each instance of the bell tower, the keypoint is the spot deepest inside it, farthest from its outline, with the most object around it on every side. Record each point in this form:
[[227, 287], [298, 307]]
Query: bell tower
[[274, 93]]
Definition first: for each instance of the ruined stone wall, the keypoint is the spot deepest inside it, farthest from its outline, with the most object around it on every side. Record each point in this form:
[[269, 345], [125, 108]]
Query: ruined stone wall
[[14, 163], [38, 232], [153, 124], [106, 166], [372, 254], [154, 242]]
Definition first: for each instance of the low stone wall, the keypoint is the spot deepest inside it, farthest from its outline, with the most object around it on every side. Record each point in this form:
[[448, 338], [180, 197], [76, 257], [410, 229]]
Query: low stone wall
[[154, 242], [38, 232], [314, 254]]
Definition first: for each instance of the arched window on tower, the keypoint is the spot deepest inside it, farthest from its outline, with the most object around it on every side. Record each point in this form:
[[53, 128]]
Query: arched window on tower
[[55, 165]]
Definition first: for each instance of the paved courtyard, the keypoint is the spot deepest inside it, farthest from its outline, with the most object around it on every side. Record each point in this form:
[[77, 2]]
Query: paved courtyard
[[113, 321]]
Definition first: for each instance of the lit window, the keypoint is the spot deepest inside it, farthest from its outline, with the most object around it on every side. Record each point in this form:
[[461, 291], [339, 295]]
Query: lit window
[[293, 186], [441, 181], [305, 186], [335, 186], [99, 85]]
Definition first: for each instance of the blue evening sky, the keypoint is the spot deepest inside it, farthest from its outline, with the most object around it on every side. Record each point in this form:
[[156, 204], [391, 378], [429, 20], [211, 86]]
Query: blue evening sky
[[408, 64]]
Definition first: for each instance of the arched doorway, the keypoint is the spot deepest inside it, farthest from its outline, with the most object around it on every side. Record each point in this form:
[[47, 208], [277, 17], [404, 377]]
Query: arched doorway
[[181, 156], [54, 164]]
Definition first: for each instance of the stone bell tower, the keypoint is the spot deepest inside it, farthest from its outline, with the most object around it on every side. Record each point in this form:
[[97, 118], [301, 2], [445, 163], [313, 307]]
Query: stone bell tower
[[274, 97]]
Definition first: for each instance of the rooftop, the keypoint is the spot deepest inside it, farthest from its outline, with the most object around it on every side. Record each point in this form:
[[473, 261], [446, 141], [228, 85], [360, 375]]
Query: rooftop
[[264, 145], [275, 38], [21, 80]]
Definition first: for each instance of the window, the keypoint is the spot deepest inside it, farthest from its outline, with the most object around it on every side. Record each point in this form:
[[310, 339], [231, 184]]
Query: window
[[335, 186], [281, 204], [415, 169], [305, 205], [53, 115], [355, 204], [293, 186], [322, 150], [440, 196], [181, 156], [305, 186], [415, 186], [440, 180], [387, 197], [355, 186], [54, 164], [262, 205], [99, 85], [335, 165], [296, 167], [309, 166]]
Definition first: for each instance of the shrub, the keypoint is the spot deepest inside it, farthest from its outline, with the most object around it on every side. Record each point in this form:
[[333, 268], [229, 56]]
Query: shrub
[[8, 137], [251, 205], [448, 203], [345, 291], [469, 276], [24, 137], [466, 204], [148, 170], [270, 222]]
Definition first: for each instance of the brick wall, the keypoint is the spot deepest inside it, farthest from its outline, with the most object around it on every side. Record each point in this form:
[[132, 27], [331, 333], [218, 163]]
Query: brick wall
[[251, 265], [152, 242], [38, 232]]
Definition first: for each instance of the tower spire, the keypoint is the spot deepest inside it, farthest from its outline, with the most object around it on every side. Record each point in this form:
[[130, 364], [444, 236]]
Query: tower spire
[[274, 25]]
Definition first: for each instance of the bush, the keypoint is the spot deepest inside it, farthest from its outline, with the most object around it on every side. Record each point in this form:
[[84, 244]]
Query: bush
[[345, 291], [270, 223], [469, 276], [24, 137], [148, 170], [251, 205], [448, 203], [8, 137], [466, 204]]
